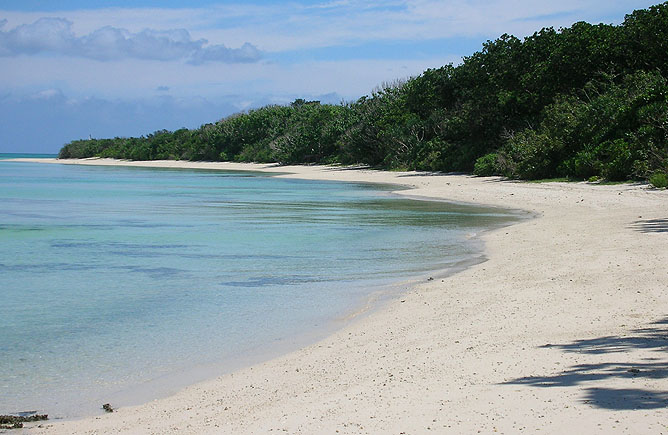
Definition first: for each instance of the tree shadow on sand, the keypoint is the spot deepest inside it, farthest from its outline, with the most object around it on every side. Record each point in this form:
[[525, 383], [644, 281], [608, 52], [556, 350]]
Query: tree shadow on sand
[[651, 225], [654, 337]]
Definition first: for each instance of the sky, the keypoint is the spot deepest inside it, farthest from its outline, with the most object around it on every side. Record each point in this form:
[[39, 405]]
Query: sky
[[72, 69]]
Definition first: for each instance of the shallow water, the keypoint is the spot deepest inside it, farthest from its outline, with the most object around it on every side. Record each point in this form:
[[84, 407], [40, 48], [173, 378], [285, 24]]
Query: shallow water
[[113, 277], [5, 156]]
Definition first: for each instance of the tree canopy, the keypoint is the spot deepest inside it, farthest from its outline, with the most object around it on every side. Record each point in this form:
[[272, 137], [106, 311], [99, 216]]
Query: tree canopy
[[583, 101]]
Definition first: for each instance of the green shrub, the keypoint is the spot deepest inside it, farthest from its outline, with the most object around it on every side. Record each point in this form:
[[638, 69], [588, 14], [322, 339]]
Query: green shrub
[[486, 165], [584, 164], [659, 180], [619, 165], [530, 155]]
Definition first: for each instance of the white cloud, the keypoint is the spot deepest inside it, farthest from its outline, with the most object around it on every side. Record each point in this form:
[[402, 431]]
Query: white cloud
[[55, 36], [292, 26], [48, 94], [247, 53]]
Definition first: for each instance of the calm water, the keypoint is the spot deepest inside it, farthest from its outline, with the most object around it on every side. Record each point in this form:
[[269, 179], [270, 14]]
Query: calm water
[[121, 284], [5, 156]]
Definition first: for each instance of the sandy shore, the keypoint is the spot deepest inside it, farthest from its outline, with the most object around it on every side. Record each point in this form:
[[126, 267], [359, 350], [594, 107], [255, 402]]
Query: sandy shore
[[563, 330]]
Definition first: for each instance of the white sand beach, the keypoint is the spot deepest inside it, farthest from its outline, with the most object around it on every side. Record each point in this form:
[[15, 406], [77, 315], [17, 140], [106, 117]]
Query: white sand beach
[[564, 329]]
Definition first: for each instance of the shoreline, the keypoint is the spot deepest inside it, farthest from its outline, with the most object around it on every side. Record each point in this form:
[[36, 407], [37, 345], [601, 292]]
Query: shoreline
[[562, 329], [169, 383]]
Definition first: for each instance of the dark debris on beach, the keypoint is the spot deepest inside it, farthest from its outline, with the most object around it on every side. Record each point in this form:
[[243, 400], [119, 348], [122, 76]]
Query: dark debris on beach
[[16, 421]]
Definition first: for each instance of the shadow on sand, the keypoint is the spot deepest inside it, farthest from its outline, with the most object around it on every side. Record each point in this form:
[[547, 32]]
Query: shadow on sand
[[654, 337], [651, 226]]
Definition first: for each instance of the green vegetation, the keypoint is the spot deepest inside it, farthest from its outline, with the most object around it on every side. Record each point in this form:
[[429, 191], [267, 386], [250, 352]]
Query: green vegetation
[[659, 180], [553, 180], [584, 102]]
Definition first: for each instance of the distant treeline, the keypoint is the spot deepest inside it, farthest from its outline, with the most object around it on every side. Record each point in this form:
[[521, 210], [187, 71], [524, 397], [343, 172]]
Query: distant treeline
[[581, 102]]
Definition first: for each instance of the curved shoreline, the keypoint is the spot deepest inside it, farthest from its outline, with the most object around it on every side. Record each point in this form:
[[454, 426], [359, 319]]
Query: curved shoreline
[[562, 329]]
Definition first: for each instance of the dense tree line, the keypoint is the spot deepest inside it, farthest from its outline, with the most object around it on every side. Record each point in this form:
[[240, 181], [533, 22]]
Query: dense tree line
[[583, 101]]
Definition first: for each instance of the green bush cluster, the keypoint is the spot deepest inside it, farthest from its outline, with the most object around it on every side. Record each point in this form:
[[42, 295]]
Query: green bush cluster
[[659, 180], [608, 130], [583, 101]]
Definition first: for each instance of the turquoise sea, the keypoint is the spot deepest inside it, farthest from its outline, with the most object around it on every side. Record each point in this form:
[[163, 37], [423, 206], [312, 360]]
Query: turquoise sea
[[124, 284], [5, 156]]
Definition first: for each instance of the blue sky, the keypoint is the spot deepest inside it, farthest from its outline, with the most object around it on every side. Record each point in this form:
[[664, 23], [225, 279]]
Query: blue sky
[[72, 69]]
